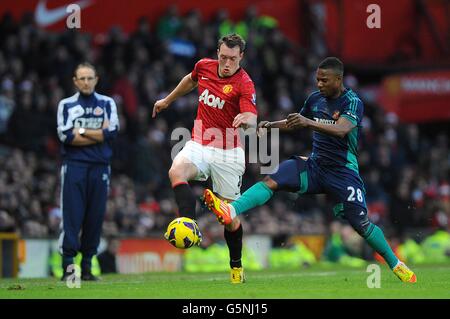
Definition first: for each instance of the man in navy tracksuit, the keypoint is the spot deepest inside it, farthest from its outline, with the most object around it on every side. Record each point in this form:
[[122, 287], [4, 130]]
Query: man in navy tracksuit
[[87, 124]]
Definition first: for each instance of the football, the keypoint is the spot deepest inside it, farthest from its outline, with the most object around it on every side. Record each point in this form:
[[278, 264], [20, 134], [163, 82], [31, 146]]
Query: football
[[183, 233]]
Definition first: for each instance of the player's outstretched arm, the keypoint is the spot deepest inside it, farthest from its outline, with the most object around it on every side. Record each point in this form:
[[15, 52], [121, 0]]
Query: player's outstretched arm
[[340, 129], [245, 120], [276, 124], [263, 126], [185, 86]]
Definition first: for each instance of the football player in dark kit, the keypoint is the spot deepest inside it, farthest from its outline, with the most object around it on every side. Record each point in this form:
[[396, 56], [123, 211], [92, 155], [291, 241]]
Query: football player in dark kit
[[87, 123], [334, 113]]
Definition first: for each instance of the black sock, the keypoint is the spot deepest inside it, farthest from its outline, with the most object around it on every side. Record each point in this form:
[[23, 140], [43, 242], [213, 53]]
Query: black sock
[[234, 242], [86, 265], [67, 261], [185, 200]]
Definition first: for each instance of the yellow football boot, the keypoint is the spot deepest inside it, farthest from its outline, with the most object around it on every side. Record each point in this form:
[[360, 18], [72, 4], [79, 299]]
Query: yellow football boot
[[404, 273], [237, 275]]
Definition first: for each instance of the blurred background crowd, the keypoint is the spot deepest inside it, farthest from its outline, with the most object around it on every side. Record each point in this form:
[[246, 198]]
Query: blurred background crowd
[[405, 167]]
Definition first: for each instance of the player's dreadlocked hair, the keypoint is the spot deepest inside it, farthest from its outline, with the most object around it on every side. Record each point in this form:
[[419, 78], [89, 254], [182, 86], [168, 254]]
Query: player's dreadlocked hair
[[333, 63], [232, 40]]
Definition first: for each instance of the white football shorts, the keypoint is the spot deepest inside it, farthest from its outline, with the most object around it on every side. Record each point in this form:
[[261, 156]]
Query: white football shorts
[[225, 167]]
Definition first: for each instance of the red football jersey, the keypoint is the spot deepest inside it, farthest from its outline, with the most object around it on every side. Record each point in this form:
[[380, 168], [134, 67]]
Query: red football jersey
[[220, 100]]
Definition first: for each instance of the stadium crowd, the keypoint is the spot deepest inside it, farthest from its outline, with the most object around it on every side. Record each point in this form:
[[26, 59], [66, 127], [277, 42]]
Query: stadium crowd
[[406, 173]]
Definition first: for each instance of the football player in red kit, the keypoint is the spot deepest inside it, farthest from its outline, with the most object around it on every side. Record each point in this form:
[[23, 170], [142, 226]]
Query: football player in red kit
[[227, 101]]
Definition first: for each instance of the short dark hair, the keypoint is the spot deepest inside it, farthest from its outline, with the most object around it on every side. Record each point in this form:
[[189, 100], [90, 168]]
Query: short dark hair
[[232, 40], [332, 63], [84, 65]]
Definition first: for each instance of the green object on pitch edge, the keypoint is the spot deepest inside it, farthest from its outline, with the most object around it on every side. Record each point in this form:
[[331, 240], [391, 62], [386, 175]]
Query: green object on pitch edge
[[55, 261], [291, 258], [437, 247], [411, 252], [216, 258], [335, 252]]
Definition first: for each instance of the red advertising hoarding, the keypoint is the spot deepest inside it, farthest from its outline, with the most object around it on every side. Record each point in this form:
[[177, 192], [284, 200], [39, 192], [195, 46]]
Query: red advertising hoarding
[[408, 30], [98, 16], [145, 255], [417, 97]]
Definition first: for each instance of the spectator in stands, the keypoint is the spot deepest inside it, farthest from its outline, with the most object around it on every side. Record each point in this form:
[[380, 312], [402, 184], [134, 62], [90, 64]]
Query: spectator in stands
[[7, 222], [169, 23], [107, 258]]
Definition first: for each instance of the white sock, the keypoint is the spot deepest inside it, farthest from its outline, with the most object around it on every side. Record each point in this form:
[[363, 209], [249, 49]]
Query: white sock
[[232, 211]]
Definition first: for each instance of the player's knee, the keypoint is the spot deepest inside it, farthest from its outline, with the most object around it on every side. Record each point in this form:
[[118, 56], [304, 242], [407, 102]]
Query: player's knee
[[357, 218], [270, 183], [173, 173], [176, 173], [182, 171], [234, 225], [362, 227]]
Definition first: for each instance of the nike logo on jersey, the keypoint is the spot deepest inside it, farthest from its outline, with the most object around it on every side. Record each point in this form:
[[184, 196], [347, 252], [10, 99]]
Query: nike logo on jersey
[[203, 78], [211, 100], [45, 17]]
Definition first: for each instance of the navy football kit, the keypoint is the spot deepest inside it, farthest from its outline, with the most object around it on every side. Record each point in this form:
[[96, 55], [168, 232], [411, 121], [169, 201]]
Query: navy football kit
[[85, 174], [332, 167]]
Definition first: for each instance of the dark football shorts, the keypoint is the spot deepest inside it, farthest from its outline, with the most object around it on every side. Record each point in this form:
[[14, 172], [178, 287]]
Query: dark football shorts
[[345, 186]]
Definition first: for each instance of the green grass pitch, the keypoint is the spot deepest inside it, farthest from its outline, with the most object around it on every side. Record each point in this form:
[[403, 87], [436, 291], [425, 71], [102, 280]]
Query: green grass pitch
[[329, 282]]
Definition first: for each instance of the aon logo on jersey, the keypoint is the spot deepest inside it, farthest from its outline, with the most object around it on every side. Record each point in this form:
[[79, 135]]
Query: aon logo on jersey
[[211, 100]]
